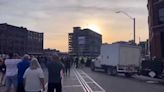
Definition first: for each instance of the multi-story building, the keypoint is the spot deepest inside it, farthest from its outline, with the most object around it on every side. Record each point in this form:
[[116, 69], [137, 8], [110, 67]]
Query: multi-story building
[[19, 40], [35, 42], [84, 42], [156, 27]]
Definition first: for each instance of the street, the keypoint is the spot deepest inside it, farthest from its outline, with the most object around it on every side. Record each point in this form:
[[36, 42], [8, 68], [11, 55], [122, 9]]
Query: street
[[122, 84], [82, 45], [85, 80]]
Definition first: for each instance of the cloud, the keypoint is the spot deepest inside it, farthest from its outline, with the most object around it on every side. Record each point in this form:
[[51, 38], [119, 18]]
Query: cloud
[[3, 2], [47, 8], [57, 17]]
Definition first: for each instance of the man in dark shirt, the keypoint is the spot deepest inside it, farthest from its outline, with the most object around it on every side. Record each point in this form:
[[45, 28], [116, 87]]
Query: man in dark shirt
[[55, 69]]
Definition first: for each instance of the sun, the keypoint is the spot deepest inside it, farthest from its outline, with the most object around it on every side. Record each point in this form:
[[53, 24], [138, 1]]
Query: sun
[[94, 28]]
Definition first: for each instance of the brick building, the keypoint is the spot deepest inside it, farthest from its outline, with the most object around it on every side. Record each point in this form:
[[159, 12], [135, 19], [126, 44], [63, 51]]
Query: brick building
[[156, 27], [19, 40]]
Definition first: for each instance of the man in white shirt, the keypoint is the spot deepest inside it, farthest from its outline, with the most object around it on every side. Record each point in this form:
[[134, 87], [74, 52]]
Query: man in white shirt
[[11, 71]]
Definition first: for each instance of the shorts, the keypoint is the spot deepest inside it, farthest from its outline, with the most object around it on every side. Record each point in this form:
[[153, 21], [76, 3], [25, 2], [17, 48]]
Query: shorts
[[11, 80]]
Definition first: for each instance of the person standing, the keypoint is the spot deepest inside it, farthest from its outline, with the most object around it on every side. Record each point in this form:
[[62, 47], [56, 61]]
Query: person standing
[[11, 71], [67, 65], [2, 71], [62, 60], [34, 77], [82, 62], [55, 73], [77, 62], [22, 66]]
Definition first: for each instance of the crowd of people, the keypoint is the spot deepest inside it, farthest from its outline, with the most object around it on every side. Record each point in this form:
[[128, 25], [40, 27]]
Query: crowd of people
[[81, 62], [25, 74]]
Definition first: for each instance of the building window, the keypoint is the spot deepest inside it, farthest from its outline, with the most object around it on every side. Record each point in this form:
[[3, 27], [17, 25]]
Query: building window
[[161, 16], [81, 40]]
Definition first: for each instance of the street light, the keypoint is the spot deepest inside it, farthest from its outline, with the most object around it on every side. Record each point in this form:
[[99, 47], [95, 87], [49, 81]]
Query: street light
[[134, 23]]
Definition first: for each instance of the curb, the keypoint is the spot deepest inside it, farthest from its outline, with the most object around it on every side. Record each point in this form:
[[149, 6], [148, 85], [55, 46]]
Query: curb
[[145, 78]]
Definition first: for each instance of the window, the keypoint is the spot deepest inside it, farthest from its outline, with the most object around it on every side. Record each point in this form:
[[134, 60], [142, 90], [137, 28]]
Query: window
[[81, 40], [161, 16]]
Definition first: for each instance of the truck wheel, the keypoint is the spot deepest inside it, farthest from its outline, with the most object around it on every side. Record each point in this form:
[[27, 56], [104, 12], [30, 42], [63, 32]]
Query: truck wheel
[[92, 67], [113, 71], [108, 71], [128, 74]]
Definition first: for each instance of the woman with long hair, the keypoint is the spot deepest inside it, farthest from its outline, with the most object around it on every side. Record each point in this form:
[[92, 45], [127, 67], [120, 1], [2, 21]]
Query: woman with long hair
[[34, 77]]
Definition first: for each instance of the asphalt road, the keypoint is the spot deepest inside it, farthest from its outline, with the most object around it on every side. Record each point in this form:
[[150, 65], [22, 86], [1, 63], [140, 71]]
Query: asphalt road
[[84, 79], [123, 84]]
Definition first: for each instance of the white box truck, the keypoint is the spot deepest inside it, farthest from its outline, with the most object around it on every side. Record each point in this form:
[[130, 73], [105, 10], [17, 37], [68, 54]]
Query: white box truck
[[118, 58]]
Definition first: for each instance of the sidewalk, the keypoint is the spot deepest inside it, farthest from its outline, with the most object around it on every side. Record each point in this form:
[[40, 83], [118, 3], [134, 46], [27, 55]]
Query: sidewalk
[[76, 81], [71, 83]]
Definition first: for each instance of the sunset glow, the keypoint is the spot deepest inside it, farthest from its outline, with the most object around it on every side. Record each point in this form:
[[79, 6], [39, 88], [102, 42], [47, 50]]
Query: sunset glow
[[56, 18], [94, 28]]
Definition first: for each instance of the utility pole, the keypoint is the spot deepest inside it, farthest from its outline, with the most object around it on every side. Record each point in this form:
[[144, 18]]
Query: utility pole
[[134, 24]]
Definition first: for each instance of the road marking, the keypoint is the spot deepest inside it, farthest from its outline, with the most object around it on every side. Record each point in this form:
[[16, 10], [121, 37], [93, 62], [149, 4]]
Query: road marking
[[102, 90], [69, 86], [80, 75], [79, 80], [89, 82], [88, 89]]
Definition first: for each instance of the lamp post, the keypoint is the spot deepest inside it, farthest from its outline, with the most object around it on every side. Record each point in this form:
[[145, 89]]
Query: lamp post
[[134, 24]]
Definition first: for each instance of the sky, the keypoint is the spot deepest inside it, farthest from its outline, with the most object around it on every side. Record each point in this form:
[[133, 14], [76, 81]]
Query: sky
[[56, 18]]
